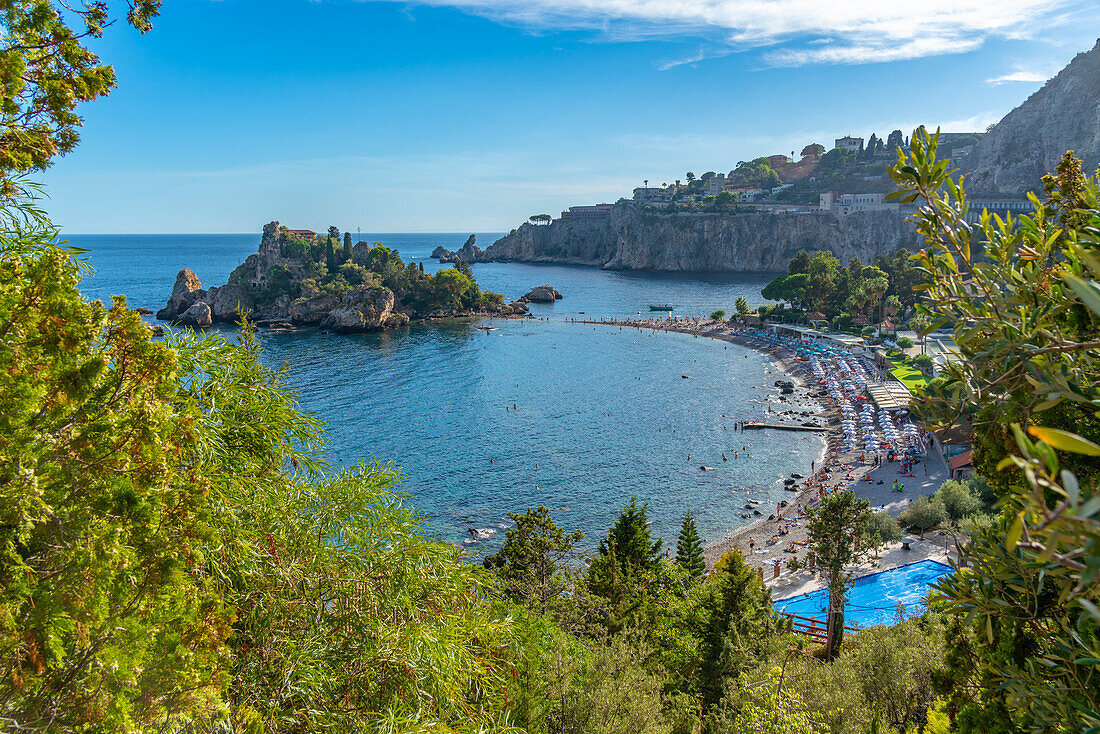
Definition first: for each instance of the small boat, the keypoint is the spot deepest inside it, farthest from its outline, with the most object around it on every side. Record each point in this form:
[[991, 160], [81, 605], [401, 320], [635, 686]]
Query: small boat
[[661, 307]]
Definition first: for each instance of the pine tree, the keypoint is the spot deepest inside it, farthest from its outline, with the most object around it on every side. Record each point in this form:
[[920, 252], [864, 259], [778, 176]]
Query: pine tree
[[689, 550]]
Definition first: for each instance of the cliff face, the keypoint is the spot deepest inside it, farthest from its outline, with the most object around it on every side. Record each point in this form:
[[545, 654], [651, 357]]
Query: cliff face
[[1029, 141], [733, 243]]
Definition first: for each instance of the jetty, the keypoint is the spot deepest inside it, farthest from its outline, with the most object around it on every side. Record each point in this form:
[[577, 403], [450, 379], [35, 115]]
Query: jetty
[[756, 426]]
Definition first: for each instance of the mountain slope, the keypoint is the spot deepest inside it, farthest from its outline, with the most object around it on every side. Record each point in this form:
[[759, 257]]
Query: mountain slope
[[1063, 115]]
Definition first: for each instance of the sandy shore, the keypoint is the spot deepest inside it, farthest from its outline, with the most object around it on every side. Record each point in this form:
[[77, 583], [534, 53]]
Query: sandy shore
[[781, 535]]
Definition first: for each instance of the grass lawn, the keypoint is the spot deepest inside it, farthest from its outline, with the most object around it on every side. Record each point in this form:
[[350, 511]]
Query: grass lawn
[[910, 377]]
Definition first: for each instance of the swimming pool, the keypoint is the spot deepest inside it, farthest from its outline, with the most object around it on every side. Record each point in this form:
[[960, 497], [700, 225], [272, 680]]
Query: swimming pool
[[874, 598]]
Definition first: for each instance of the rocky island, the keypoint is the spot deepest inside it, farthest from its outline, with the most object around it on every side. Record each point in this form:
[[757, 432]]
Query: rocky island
[[299, 278]]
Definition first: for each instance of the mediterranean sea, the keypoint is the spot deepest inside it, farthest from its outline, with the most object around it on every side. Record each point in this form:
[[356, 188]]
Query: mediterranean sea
[[600, 413]]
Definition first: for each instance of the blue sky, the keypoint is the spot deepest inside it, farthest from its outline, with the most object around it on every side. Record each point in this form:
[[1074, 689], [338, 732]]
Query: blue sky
[[470, 115]]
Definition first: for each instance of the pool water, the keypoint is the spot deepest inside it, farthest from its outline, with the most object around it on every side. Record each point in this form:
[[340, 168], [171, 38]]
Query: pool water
[[874, 598]]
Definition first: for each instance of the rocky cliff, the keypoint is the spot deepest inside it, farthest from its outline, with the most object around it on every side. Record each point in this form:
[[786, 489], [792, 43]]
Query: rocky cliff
[[630, 239], [1029, 141]]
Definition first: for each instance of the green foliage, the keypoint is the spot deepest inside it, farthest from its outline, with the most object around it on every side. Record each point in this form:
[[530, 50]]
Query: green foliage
[[330, 255], [737, 620], [817, 281], [757, 173], [924, 514], [924, 363], [718, 315], [171, 557], [347, 247], [47, 72], [867, 332], [297, 249], [764, 707], [883, 528], [605, 691], [530, 562], [689, 550], [1025, 651], [959, 500], [837, 530], [904, 342], [741, 305], [626, 561], [107, 616]]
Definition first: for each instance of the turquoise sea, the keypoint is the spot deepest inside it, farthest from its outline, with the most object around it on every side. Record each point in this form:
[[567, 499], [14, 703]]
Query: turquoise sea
[[601, 414]]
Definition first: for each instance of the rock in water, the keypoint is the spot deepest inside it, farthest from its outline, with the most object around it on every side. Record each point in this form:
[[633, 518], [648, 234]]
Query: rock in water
[[365, 308], [186, 291], [469, 252], [542, 294], [197, 314], [227, 302]]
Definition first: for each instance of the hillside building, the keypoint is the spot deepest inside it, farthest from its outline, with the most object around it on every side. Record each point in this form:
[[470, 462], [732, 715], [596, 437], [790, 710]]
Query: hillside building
[[844, 204], [586, 212], [849, 143]]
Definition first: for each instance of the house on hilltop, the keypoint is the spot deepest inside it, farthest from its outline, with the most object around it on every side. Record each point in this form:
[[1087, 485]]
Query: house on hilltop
[[854, 145]]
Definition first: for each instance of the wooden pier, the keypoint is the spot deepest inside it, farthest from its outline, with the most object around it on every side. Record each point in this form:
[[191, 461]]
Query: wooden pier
[[755, 426]]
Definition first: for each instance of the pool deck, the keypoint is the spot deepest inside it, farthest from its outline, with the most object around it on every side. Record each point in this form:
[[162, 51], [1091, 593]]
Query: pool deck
[[931, 548]]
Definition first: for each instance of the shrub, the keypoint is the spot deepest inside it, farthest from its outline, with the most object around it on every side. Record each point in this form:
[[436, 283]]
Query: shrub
[[718, 315], [924, 363], [959, 500], [925, 513], [867, 331], [883, 528], [905, 342]]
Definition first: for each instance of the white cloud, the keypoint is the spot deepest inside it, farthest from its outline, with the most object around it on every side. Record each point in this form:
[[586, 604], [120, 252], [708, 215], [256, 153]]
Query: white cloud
[[793, 32], [1020, 75]]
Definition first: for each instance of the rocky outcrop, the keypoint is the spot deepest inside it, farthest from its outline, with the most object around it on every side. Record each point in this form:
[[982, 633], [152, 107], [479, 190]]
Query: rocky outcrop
[[365, 308], [630, 239], [311, 310], [469, 252], [229, 302], [1063, 115], [186, 291], [542, 294], [360, 253], [197, 314]]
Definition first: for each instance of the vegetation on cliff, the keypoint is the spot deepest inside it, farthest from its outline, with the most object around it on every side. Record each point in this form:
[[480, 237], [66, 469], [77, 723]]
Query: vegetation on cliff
[[311, 267]]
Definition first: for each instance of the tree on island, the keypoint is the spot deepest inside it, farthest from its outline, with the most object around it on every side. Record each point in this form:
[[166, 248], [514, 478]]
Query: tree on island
[[330, 255], [689, 549], [837, 530]]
